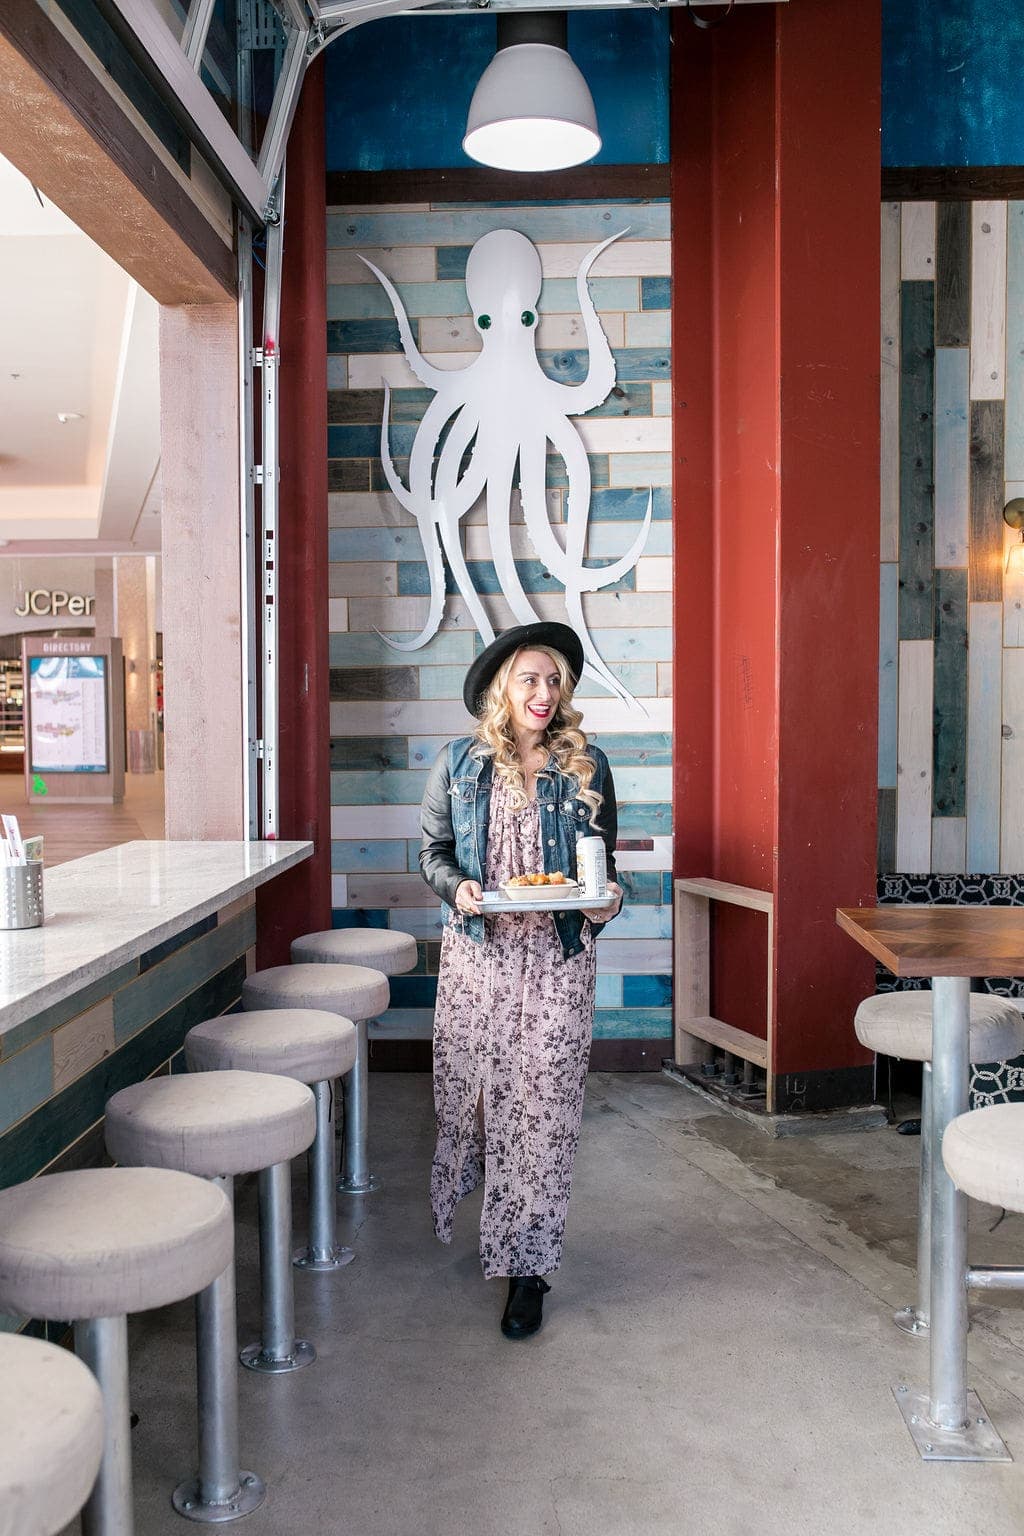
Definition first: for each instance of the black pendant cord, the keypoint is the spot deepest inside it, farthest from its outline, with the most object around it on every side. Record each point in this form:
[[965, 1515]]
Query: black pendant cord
[[705, 23]]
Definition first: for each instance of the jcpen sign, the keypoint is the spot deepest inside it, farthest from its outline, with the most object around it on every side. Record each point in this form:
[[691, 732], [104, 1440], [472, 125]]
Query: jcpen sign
[[39, 603]]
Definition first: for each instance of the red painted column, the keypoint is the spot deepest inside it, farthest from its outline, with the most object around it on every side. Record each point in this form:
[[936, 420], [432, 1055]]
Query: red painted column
[[775, 250], [300, 901]]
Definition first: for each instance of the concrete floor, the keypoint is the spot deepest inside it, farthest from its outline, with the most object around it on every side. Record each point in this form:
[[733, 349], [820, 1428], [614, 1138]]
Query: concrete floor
[[717, 1356]]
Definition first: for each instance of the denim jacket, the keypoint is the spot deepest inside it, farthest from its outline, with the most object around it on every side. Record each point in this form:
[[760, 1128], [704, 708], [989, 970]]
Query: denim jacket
[[456, 807]]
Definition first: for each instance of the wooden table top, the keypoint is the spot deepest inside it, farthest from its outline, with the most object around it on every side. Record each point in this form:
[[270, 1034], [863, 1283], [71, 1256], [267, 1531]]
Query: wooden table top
[[940, 941]]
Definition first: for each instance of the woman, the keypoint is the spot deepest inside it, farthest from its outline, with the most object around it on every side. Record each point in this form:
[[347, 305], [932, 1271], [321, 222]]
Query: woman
[[515, 991]]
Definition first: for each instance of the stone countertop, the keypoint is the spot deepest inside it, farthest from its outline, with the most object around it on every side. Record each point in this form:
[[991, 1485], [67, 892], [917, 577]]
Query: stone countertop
[[111, 907]]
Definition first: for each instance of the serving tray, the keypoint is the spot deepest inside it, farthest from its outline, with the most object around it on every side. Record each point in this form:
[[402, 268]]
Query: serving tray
[[494, 901]]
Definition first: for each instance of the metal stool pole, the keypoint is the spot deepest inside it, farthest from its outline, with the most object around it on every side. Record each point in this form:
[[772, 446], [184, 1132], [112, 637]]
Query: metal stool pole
[[278, 1350], [324, 1251], [356, 1178], [102, 1344], [914, 1319]]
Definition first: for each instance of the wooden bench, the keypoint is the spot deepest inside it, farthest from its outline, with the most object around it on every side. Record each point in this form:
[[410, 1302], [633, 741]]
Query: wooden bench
[[697, 1031]]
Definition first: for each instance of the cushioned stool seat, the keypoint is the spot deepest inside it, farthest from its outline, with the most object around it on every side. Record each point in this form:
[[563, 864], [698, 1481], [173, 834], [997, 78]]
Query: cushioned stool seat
[[94, 1245], [51, 1436], [305, 1043], [354, 991], [984, 1154], [358, 993], [382, 949], [211, 1125], [308, 1044], [900, 1024]]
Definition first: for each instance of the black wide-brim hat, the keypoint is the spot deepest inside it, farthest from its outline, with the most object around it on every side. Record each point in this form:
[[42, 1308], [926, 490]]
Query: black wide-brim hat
[[540, 636]]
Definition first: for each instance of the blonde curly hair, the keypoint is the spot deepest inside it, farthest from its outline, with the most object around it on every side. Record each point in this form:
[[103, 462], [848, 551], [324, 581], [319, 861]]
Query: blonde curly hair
[[563, 738]]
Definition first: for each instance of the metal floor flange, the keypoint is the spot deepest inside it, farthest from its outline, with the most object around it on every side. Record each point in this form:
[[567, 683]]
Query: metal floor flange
[[978, 1441]]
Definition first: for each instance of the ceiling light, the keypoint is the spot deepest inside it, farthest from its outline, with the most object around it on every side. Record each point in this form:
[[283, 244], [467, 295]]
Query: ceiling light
[[532, 109]]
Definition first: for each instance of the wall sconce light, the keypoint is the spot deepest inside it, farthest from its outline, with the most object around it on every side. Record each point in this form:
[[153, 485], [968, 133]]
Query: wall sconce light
[[532, 109], [1013, 516]]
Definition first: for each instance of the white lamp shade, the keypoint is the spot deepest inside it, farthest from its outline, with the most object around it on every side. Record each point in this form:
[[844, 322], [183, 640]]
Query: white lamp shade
[[531, 111]]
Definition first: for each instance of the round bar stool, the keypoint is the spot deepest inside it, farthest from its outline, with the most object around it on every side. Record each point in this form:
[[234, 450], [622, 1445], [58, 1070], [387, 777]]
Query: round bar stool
[[314, 1047], [357, 993], [900, 1024], [92, 1246], [217, 1125], [381, 949], [983, 1151], [51, 1435]]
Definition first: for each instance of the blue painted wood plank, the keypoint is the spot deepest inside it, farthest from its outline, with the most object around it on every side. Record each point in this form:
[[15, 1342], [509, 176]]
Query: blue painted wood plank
[[607, 541], [412, 854], [451, 260], [888, 675], [570, 365], [181, 974], [368, 301], [633, 644], [949, 761], [413, 991], [643, 783], [917, 401], [364, 650], [68, 1008], [620, 504], [385, 855], [558, 479], [642, 922], [645, 820], [441, 683], [349, 544], [369, 753], [629, 399], [632, 1023], [952, 445], [26, 1081], [656, 293], [361, 440], [641, 885], [1015, 341], [359, 917], [641, 468], [414, 579], [391, 787], [648, 749], [609, 991], [551, 222], [647, 991], [363, 336], [640, 677]]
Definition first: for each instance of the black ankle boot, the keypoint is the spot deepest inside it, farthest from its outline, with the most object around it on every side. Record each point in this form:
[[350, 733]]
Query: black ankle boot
[[523, 1310]]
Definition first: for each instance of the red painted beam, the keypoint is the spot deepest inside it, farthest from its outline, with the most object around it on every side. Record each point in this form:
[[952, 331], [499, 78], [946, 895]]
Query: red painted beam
[[300, 901]]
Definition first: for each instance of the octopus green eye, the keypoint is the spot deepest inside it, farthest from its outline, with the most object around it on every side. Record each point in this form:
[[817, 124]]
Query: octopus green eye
[[527, 317], [484, 322]]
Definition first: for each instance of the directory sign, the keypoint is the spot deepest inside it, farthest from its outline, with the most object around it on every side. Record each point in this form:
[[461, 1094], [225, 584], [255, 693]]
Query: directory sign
[[68, 714]]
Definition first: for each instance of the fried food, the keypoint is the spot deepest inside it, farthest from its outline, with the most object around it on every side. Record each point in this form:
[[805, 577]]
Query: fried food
[[539, 878]]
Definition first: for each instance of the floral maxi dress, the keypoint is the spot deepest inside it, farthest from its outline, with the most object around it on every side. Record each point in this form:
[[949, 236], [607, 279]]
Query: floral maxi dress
[[512, 1029]]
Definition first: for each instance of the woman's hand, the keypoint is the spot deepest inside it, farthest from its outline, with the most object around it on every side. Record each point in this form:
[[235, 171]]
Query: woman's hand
[[468, 897], [605, 914]]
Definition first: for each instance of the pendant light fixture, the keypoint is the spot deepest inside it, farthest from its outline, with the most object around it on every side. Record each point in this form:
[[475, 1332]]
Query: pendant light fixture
[[532, 109]]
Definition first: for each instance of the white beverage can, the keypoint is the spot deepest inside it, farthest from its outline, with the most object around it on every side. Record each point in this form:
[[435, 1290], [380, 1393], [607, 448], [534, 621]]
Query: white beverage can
[[592, 866]]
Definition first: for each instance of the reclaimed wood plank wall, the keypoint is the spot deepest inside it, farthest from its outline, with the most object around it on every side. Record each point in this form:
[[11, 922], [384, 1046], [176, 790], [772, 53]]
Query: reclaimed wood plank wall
[[392, 711], [951, 642]]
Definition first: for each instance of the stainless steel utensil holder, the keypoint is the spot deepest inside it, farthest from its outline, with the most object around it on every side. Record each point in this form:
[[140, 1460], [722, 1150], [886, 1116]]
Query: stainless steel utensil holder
[[21, 895]]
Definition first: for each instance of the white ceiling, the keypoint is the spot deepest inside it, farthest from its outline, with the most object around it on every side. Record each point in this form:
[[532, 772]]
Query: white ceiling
[[79, 337]]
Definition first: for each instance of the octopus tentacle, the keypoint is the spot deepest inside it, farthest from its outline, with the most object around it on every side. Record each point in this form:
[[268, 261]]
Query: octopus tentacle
[[453, 497], [424, 371], [591, 578], [499, 495]]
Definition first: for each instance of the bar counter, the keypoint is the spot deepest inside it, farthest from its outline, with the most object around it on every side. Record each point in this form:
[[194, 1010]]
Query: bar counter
[[139, 943]]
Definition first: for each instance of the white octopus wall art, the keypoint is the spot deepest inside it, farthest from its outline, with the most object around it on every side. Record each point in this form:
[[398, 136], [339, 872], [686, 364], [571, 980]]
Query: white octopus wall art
[[499, 411]]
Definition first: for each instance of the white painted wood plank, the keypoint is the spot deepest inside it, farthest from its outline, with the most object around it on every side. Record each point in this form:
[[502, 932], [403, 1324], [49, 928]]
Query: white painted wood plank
[[425, 717], [949, 845], [362, 578], [602, 610], [988, 300], [888, 674], [625, 434], [635, 957], [647, 258], [366, 509], [659, 857], [337, 614], [654, 574], [1011, 840], [1013, 581], [890, 382], [661, 398], [370, 370], [952, 455], [339, 890], [914, 766], [649, 328], [917, 240], [402, 263], [984, 736], [367, 821]]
